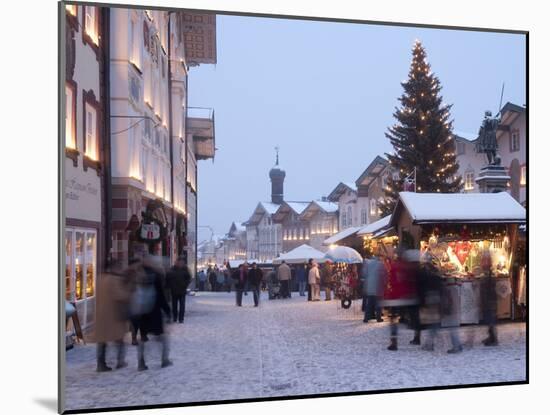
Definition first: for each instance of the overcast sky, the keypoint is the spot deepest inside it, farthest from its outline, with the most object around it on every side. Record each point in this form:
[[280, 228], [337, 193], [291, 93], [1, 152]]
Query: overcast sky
[[324, 93]]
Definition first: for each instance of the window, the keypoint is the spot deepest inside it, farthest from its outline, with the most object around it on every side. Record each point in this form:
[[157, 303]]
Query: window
[[70, 116], [469, 180], [350, 217], [80, 268], [90, 123], [344, 219], [514, 141], [71, 8], [91, 23], [460, 148], [373, 207], [523, 175], [363, 216]]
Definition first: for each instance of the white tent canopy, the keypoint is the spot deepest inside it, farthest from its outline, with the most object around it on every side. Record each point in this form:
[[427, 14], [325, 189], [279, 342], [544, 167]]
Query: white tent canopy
[[341, 235], [344, 254], [462, 207], [300, 255]]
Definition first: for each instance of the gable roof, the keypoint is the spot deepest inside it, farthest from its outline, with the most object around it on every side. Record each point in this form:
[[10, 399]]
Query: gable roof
[[339, 190], [372, 171], [346, 233], [261, 209], [317, 206], [376, 226], [460, 208], [287, 207]]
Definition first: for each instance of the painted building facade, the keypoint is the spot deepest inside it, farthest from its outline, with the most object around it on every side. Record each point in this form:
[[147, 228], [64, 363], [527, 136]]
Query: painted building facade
[[84, 140], [512, 148]]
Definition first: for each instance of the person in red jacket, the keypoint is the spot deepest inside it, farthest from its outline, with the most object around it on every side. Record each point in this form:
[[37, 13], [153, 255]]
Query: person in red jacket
[[401, 290]]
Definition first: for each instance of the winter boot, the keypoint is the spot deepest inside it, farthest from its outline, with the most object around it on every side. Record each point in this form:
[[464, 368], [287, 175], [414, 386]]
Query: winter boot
[[456, 349], [142, 366], [166, 363], [102, 367], [491, 340], [393, 344], [416, 338]]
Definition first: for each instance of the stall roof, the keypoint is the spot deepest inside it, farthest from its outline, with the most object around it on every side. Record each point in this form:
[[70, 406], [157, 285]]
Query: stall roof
[[460, 208], [300, 255], [341, 235], [374, 227]]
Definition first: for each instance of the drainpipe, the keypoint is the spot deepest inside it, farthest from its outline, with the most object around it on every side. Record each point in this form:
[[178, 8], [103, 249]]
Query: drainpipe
[[107, 182], [170, 129]]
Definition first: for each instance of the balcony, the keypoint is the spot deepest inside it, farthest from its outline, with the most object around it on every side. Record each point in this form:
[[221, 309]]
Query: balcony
[[200, 125]]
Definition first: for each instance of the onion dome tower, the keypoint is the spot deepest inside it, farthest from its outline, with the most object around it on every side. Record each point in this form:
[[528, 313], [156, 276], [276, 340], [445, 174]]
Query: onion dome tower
[[277, 176]]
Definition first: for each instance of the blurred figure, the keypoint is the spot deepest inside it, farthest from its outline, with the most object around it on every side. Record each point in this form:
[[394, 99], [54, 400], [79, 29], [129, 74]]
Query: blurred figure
[[255, 277], [373, 288], [202, 280], [353, 281], [489, 299], [226, 278], [240, 275], [212, 278], [301, 278], [151, 322], [177, 280], [400, 291], [314, 279], [283, 275], [326, 280], [219, 279], [113, 299]]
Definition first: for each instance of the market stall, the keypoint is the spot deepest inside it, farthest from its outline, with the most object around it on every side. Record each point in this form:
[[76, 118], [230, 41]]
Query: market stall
[[467, 237], [379, 237]]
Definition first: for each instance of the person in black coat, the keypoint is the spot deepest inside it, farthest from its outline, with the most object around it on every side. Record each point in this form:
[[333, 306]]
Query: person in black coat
[[240, 275], [152, 322], [255, 277], [177, 281]]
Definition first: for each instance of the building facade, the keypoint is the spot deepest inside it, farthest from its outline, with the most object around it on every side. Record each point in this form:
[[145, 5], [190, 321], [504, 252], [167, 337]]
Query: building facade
[[371, 186], [512, 148], [85, 161], [321, 218], [153, 149], [295, 230], [345, 196]]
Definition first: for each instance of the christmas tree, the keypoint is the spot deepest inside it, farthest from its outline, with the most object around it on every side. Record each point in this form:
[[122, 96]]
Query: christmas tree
[[424, 149]]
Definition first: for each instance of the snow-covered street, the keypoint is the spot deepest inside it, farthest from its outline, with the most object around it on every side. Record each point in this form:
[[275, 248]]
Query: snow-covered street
[[285, 347]]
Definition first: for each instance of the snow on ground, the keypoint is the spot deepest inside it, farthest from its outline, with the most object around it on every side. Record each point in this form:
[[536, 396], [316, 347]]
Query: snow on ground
[[285, 347]]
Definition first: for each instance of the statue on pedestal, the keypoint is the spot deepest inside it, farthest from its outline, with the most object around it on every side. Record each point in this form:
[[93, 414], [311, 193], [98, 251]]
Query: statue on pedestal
[[487, 141]]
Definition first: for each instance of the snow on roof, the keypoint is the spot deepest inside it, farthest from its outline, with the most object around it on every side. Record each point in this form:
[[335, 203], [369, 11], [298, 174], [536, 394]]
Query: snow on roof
[[270, 208], [466, 135], [462, 207], [327, 206], [298, 207], [375, 226], [351, 185], [341, 235]]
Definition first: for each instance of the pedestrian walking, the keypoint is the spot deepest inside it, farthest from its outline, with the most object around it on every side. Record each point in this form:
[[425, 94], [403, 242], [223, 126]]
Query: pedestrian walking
[[255, 277], [240, 275], [113, 298], [326, 280], [314, 279], [212, 278], [374, 279], [177, 280], [308, 268], [151, 322], [202, 280], [301, 277], [283, 275], [488, 299]]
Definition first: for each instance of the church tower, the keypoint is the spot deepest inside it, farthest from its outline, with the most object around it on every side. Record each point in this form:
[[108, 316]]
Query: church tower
[[277, 176]]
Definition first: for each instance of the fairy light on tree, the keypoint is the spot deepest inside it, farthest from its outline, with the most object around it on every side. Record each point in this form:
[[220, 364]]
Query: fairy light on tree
[[422, 136]]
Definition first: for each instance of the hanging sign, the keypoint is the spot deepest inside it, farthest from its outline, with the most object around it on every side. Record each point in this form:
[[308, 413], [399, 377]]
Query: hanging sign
[[150, 231]]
